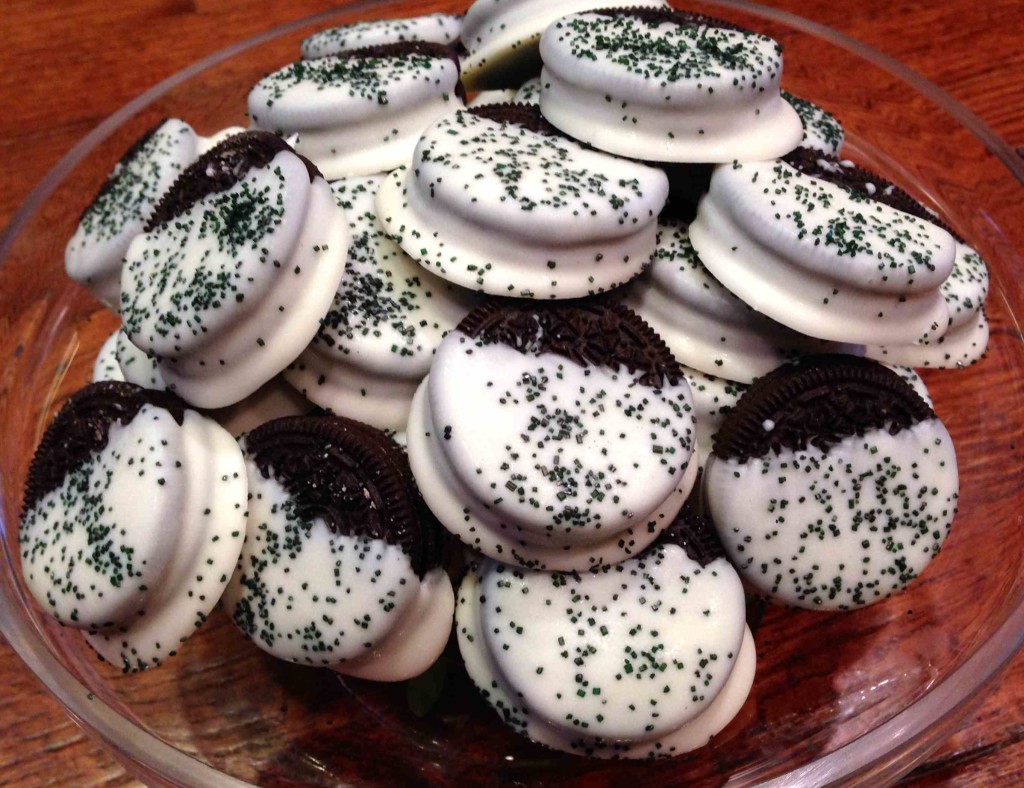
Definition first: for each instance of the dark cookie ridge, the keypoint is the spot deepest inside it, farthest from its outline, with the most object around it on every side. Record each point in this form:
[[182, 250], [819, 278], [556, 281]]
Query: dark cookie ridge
[[522, 115], [218, 170], [853, 177], [587, 333], [351, 476], [402, 49], [82, 428], [693, 531], [818, 402]]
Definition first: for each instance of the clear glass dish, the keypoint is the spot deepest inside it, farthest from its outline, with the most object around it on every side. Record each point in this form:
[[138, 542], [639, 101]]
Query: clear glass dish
[[857, 697]]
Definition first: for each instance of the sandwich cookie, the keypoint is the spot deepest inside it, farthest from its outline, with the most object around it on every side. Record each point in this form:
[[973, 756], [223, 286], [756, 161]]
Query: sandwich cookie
[[649, 658], [528, 93], [133, 520], [704, 324], [822, 257], [822, 130], [359, 112], [966, 337], [341, 566], [497, 200], [501, 37], [235, 271], [437, 28], [105, 367], [665, 85], [376, 343], [491, 97], [124, 204], [553, 437], [832, 484]]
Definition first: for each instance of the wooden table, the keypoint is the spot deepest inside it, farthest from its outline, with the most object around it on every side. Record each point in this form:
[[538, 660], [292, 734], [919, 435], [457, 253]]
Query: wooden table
[[67, 66]]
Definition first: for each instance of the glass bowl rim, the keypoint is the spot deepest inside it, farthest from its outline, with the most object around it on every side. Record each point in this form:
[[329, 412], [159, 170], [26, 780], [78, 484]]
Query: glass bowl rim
[[159, 759]]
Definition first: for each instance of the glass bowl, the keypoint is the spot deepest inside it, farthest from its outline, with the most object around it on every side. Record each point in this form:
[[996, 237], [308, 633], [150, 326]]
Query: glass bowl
[[861, 696]]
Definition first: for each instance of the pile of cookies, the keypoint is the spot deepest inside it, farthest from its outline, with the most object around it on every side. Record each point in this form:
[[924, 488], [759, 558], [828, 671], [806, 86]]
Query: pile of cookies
[[602, 336]]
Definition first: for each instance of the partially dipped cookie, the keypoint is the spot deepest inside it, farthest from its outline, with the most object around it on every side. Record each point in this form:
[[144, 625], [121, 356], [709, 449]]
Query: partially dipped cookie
[[501, 37], [389, 314], [235, 270], [705, 325], [133, 520], [553, 437], [666, 85], [802, 241], [438, 28], [361, 111], [832, 484], [124, 204], [649, 658], [499, 201], [341, 565], [822, 130]]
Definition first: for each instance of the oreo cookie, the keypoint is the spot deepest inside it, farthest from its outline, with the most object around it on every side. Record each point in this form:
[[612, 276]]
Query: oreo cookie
[[832, 484], [818, 403], [133, 520], [82, 428], [351, 476], [342, 563], [220, 168], [554, 437], [588, 333]]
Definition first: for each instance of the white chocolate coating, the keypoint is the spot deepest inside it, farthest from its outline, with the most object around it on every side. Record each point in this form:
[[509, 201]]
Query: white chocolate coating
[[528, 93], [837, 529], [306, 594], [704, 324], [94, 253], [137, 366], [438, 28], [605, 664], [665, 91], [388, 316], [142, 559], [825, 261], [228, 294], [507, 211], [275, 399], [822, 130], [536, 460], [491, 97], [966, 338], [356, 116], [713, 400], [501, 36], [105, 367]]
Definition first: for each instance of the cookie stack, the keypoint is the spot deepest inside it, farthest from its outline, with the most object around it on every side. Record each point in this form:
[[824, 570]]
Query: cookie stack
[[633, 257]]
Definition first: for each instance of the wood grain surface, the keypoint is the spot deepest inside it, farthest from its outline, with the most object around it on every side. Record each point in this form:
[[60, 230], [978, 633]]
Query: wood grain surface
[[67, 66]]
